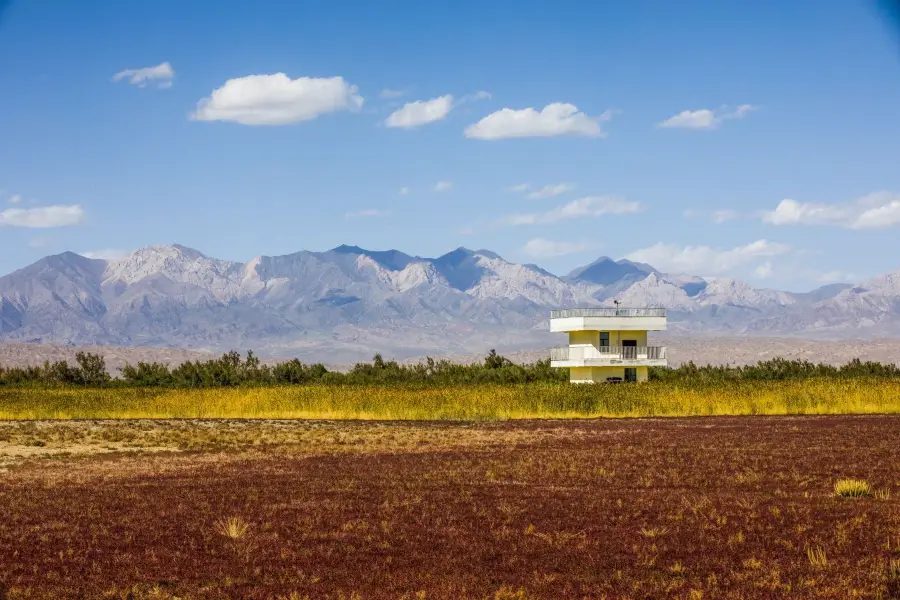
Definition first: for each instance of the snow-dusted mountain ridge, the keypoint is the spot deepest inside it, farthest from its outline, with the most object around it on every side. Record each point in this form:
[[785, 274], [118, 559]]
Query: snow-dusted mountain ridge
[[350, 301]]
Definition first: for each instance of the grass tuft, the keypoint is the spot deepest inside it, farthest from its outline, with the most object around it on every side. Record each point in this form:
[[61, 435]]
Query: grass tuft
[[233, 527], [852, 488], [817, 557]]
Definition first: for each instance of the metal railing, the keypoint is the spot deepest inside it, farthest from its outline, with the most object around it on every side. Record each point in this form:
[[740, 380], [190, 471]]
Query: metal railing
[[607, 312], [608, 353]]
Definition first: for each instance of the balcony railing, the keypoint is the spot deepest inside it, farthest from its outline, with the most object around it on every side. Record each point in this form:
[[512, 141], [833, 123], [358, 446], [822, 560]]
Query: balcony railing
[[607, 312], [608, 353]]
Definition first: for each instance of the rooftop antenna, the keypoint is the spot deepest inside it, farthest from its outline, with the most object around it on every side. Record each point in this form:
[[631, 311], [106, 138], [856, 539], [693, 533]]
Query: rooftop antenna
[[617, 303]]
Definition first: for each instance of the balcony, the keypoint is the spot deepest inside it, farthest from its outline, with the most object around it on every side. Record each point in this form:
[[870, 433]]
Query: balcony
[[608, 319], [607, 312], [622, 356]]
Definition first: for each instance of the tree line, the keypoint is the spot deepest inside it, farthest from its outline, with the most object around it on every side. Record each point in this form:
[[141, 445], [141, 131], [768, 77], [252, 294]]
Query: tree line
[[232, 369]]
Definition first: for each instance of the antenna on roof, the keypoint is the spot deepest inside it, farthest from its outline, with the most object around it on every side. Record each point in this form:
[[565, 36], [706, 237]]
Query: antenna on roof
[[617, 303]]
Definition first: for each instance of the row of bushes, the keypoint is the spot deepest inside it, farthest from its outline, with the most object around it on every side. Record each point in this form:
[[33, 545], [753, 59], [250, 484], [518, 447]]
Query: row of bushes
[[233, 370]]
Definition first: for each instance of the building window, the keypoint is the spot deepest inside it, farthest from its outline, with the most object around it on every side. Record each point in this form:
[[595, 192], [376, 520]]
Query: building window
[[604, 339]]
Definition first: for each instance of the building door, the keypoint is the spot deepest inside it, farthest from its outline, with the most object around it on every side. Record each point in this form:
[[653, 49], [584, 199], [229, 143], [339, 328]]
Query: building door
[[629, 349], [630, 374]]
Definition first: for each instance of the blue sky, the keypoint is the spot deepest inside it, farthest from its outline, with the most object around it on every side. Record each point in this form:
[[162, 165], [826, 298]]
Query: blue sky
[[751, 139]]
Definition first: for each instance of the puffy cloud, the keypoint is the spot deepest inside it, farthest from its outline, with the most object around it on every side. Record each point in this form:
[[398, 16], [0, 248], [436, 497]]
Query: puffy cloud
[[42, 218], [443, 186], [705, 259], [105, 254], [553, 120], [522, 187], [161, 75], [590, 206], [548, 191], [367, 213], [878, 210], [277, 99], [706, 118], [542, 248], [763, 271], [420, 112]]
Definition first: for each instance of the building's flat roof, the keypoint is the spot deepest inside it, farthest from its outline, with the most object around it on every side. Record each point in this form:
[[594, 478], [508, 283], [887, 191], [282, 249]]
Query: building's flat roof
[[607, 312]]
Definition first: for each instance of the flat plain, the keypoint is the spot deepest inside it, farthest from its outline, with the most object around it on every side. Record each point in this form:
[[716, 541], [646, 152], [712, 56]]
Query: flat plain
[[719, 507]]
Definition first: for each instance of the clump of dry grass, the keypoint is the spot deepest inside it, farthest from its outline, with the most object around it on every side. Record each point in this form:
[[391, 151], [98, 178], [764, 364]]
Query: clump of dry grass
[[852, 488], [817, 557], [233, 527]]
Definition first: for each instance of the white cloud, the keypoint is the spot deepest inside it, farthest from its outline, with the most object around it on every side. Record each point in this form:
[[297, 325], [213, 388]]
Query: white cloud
[[878, 210], [42, 218], [277, 99], [522, 187], [367, 213], [720, 216], [590, 206], [387, 94], [717, 216], [706, 118], [764, 270], [541, 248], [104, 254], [479, 95], [705, 259], [161, 75], [420, 112], [15, 199], [443, 186], [553, 120], [404, 191], [548, 191]]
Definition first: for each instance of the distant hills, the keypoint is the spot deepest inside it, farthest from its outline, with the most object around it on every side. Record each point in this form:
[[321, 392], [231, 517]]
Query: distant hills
[[348, 302]]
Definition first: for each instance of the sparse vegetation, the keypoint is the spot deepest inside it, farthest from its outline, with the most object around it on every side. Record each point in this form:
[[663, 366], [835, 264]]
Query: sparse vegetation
[[373, 510]]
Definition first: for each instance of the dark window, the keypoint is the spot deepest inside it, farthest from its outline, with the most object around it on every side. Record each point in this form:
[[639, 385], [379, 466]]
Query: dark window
[[630, 374], [604, 339]]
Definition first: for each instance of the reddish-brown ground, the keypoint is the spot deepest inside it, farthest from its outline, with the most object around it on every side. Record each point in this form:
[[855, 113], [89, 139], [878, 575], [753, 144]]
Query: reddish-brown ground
[[683, 508]]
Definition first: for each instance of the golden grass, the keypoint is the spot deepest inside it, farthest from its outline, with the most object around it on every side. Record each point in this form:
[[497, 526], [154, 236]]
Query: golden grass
[[852, 488], [232, 527], [486, 402], [817, 557]]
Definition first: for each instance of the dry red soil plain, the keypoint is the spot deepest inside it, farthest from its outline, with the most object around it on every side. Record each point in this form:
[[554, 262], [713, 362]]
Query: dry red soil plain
[[649, 508]]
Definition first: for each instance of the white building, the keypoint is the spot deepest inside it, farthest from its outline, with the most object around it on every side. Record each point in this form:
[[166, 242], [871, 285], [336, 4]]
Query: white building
[[608, 344]]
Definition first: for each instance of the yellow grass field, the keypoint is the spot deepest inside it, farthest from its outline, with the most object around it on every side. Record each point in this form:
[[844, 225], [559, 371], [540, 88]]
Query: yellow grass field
[[488, 402]]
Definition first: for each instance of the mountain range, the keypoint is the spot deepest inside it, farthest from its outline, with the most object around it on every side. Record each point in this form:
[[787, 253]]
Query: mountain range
[[348, 302]]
